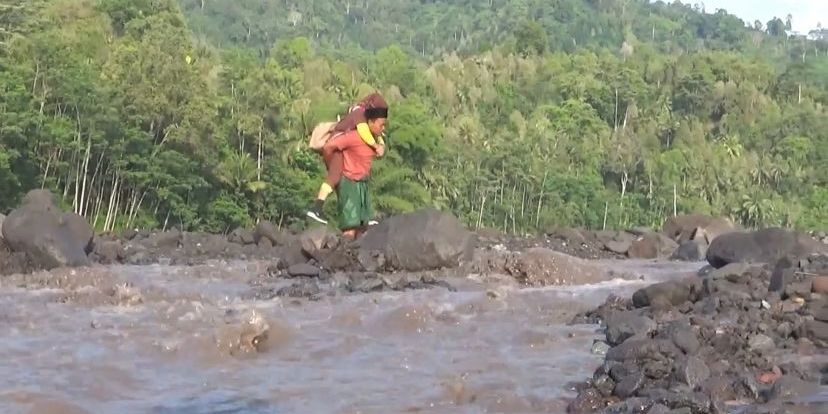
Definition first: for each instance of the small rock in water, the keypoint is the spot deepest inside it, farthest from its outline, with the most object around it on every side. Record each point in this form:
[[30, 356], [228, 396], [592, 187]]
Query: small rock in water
[[600, 347], [248, 335], [303, 270], [629, 385], [604, 384]]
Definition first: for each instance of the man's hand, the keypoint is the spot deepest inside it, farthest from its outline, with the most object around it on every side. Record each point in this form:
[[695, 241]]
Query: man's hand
[[380, 150]]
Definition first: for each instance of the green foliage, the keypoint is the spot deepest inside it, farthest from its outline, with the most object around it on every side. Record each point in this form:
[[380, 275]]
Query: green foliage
[[518, 115]]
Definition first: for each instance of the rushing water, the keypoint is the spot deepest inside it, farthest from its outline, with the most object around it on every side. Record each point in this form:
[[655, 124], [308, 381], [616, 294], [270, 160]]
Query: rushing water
[[160, 339]]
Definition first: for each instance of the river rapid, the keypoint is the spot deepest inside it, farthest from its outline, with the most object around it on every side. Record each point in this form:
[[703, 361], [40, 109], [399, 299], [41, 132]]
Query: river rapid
[[197, 340]]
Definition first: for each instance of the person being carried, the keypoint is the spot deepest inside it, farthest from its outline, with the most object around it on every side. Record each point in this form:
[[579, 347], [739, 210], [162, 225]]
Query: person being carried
[[354, 198], [355, 120]]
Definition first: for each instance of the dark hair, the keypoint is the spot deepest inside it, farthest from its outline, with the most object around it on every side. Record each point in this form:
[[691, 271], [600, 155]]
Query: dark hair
[[376, 113]]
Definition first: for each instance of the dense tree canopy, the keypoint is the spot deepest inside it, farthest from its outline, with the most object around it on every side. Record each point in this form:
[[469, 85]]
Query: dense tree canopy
[[515, 114]]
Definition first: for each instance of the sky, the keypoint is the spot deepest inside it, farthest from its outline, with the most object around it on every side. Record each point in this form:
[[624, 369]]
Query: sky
[[806, 13]]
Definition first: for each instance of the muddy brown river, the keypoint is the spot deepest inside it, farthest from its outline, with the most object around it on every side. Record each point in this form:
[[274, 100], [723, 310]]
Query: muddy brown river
[[166, 339]]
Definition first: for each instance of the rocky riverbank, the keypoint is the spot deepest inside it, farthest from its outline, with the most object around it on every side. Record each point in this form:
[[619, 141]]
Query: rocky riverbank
[[749, 336]]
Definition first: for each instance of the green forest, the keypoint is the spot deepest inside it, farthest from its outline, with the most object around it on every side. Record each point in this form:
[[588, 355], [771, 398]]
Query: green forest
[[518, 115]]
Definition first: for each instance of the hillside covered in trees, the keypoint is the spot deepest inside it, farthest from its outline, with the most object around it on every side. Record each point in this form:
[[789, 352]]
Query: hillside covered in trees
[[515, 114]]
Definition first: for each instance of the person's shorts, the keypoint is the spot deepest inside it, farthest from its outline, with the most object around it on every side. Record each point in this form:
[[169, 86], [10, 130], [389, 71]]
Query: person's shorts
[[354, 204]]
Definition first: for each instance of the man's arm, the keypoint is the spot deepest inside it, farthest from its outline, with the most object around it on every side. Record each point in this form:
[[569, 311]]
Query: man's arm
[[365, 134]]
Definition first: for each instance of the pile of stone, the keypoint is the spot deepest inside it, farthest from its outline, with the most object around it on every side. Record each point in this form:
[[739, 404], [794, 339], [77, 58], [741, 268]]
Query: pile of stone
[[745, 334]]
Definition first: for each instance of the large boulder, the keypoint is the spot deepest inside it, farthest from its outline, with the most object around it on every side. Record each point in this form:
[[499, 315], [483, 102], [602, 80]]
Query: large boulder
[[50, 237], [761, 246], [422, 240], [686, 227], [544, 267], [80, 230], [267, 230], [651, 246]]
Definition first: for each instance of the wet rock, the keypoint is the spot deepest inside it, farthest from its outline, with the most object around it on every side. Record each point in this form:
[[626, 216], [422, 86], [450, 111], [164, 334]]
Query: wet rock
[[697, 402], [600, 348], [629, 406], [762, 246], [669, 293], [623, 325], [109, 252], [545, 267], [604, 384], [50, 237], [643, 348], [242, 236], [366, 283], [302, 289], [303, 270], [243, 334], [628, 386], [761, 343], [651, 246], [267, 230], [732, 272], [316, 239], [691, 371], [587, 401], [689, 251], [424, 240]]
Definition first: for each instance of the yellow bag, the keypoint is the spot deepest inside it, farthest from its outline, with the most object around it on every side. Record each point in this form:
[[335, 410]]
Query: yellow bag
[[320, 135]]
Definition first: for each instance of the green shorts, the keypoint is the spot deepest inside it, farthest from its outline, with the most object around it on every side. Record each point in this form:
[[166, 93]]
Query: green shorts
[[354, 204]]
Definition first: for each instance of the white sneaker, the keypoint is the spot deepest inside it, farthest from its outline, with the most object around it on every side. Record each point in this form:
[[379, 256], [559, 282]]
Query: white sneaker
[[315, 216], [373, 223]]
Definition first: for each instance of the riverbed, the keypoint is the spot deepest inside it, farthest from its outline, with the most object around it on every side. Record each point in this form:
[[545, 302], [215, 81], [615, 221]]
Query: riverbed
[[171, 339]]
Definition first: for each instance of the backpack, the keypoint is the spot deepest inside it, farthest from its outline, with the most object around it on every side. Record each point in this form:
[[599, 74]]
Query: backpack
[[320, 135]]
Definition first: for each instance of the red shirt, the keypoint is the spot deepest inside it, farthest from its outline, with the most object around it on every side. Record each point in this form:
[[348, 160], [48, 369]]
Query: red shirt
[[357, 156]]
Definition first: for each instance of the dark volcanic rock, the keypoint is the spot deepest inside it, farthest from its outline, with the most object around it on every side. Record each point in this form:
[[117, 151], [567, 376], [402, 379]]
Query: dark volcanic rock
[[762, 246], [303, 269], [242, 236], [689, 251], [696, 226], [692, 371], [651, 246], [50, 237], [423, 240], [623, 325], [109, 252], [266, 230], [669, 293]]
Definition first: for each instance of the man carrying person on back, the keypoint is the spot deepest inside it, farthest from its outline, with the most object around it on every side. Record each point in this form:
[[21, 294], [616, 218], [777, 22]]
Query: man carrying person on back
[[355, 120], [352, 190]]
